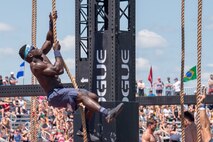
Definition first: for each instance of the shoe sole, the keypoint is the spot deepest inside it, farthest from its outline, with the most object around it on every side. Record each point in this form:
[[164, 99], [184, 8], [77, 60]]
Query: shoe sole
[[93, 138], [120, 108], [79, 133]]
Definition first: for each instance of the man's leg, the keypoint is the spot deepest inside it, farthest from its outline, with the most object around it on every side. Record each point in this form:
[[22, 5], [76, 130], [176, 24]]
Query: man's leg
[[89, 100], [89, 113]]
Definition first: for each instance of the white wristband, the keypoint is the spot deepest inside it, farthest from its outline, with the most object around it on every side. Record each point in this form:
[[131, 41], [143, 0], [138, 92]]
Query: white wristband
[[57, 53], [202, 107]]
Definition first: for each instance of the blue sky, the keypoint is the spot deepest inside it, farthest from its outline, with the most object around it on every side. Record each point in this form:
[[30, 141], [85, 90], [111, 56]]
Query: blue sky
[[158, 36]]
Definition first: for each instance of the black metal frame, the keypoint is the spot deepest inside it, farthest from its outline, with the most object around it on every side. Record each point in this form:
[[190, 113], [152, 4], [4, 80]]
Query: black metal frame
[[171, 100], [82, 28], [36, 90], [24, 90]]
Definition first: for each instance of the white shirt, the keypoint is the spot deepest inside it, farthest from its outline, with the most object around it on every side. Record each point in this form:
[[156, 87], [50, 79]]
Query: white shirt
[[166, 111], [176, 86], [141, 85]]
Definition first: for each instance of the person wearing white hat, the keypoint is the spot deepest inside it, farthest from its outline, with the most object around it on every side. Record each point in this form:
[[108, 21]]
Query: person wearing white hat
[[12, 79]]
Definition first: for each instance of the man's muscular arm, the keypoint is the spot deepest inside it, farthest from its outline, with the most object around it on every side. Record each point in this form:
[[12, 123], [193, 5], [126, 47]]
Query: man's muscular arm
[[204, 120], [59, 63], [46, 47], [50, 69]]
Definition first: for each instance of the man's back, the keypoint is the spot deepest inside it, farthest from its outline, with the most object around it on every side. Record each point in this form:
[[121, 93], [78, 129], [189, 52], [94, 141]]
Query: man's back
[[40, 68], [191, 133]]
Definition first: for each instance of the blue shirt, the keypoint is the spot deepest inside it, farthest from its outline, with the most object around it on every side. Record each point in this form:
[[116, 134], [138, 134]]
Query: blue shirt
[[17, 138], [151, 95]]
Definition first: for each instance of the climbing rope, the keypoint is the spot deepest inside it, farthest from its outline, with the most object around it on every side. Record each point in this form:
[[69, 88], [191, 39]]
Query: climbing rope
[[70, 75], [182, 68], [199, 53], [33, 114], [34, 30]]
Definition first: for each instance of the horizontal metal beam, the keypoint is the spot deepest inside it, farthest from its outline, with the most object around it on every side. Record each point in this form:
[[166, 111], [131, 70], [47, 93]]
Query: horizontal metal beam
[[171, 100], [36, 90], [24, 90]]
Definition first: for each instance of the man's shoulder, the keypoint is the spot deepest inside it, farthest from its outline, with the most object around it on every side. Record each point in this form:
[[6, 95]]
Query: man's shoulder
[[38, 65], [145, 136]]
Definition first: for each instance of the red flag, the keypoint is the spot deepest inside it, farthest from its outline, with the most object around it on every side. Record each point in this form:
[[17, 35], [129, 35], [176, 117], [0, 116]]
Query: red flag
[[150, 77]]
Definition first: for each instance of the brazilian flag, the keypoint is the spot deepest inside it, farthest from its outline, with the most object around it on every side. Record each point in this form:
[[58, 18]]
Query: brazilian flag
[[190, 75]]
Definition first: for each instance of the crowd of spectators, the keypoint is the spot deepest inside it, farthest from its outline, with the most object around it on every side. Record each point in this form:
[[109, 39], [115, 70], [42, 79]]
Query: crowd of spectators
[[53, 124], [168, 119], [168, 116], [57, 124]]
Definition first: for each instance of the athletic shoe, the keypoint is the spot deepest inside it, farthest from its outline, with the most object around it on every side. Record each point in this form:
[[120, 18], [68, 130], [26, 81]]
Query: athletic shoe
[[113, 113], [93, 138]]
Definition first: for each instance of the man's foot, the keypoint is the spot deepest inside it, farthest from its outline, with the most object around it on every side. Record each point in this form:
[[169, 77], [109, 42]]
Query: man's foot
[[93, 138], [113, 113], [79, 133]]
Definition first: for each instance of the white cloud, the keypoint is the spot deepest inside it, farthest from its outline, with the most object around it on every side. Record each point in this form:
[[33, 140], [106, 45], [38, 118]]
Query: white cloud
[[149, 39], [7, 51], [5, 27], [205, 75], [142, 64], [159, 52], [211, 18], [70, 63], [209, 65], [71, 66], [209, 27], [205, 78], [68, 43]]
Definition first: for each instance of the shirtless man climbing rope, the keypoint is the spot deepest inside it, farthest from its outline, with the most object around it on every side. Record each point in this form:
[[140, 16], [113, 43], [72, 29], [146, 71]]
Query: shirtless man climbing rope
[[47, 75], [191, 130], [204, 120]]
